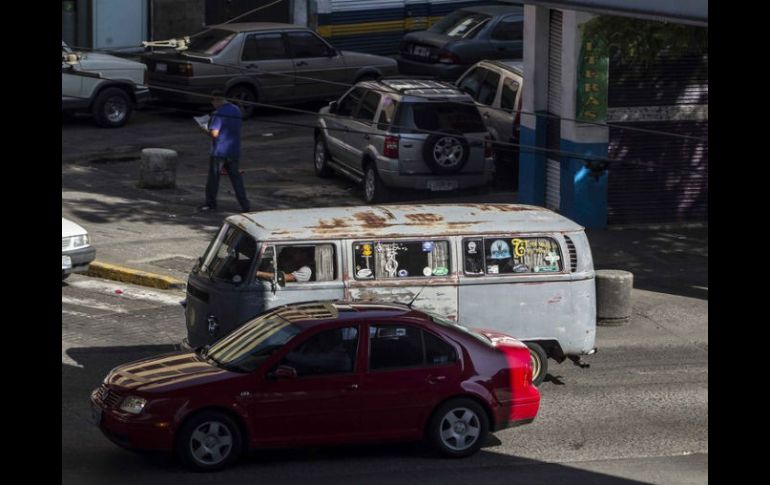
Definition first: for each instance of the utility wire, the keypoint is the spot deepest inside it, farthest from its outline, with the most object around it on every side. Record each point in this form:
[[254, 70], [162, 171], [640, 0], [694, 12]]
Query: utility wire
[[541, 114], [521, 147], [522, 112]]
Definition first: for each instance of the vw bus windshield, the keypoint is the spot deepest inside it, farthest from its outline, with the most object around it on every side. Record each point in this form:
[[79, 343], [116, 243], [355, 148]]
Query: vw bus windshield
[[230, 256]]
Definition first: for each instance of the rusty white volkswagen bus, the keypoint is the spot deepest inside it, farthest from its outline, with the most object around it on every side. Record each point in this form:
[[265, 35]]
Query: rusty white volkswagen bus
[[523, 270]]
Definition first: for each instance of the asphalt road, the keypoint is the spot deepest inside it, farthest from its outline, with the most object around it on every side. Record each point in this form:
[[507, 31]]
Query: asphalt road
[[639, 414]]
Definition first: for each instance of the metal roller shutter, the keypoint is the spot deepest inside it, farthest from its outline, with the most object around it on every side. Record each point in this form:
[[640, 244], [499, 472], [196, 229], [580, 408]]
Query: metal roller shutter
[[553, 132], [667, 180]]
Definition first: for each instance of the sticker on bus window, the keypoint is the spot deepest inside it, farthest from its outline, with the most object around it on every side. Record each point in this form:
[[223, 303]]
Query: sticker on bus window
[[440, 271], [403, 273], [521, 268], [500, 250], [427, 247], [472, 247], [427, 271], [493, 269], [364, 273]]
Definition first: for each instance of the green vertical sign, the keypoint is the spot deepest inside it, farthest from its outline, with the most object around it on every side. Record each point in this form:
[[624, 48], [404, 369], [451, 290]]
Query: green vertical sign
[[593, 67]]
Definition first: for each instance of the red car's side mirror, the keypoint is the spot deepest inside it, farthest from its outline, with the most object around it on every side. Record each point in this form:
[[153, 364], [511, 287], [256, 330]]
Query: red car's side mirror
[[283, 372]]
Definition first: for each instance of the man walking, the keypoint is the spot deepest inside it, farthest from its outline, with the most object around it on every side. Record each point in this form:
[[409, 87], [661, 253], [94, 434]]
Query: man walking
[[225, 131]]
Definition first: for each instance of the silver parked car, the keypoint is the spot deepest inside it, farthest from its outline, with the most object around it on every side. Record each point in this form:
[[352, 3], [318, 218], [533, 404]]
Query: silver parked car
[[496, 88], [106, 86], [407, 134], [258, 61]]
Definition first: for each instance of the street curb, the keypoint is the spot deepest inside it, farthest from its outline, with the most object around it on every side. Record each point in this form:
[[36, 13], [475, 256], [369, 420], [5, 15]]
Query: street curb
[[114, 272]]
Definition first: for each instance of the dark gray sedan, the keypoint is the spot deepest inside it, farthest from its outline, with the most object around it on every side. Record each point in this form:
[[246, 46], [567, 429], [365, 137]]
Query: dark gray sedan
[[461, 39], [266, 62]]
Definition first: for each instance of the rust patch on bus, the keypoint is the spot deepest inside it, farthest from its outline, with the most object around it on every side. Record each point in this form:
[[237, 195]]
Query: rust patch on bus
[[371, 220], [425, 218]]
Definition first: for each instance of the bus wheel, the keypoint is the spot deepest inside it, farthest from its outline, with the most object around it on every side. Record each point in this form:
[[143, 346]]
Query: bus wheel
[[539, 362]]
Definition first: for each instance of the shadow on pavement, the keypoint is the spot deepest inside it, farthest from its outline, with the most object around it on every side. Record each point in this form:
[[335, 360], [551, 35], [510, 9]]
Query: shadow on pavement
[[673, 261], [88, 457]]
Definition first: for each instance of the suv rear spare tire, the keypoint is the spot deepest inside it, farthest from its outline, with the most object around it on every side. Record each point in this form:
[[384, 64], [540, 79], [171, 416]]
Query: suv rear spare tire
[[446, 153]]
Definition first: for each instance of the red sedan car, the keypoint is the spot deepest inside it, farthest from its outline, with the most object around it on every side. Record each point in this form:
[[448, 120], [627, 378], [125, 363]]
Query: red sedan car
[[322, 373]]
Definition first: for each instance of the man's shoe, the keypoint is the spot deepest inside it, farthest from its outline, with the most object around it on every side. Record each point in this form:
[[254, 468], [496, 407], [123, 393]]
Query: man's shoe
[[206, 208]]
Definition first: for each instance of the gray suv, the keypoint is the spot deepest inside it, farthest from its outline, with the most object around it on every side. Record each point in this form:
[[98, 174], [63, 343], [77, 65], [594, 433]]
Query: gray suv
[[404, 133]]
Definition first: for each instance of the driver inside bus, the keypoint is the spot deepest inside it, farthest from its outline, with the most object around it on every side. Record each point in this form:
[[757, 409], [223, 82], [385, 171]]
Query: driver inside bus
[[295, 264]]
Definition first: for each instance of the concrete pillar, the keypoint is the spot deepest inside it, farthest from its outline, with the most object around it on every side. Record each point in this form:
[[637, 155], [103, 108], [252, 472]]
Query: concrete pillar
[[157, 168], [535, 100], [583, 196], [613, 296]]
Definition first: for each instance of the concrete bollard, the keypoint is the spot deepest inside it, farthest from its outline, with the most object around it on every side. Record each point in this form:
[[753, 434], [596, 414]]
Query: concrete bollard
[[613, 296], [157, 168]]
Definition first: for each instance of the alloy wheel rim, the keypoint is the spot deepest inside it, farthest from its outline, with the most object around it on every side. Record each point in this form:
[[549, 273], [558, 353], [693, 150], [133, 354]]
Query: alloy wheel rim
[[459, 429], [115, 109], [211, 443], [447, 151], [535, 365], [369, 185], [320, 155]]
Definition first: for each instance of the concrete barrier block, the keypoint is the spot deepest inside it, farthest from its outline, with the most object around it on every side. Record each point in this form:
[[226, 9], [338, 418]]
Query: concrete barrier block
[[613, 296]]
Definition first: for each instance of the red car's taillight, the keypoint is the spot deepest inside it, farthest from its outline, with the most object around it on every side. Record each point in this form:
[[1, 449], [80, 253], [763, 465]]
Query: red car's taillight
[[391, 147]]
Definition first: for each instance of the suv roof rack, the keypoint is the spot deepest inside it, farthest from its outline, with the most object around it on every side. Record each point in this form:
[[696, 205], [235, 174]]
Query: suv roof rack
[[422, 87]]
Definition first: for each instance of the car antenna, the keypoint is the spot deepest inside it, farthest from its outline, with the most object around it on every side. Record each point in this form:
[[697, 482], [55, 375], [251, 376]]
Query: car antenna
[[415, 297]]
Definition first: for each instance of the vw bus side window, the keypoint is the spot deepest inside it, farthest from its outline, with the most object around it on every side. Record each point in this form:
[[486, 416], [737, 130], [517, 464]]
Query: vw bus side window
[[382, 260], [230, 256], [305, 263], [507, 255]]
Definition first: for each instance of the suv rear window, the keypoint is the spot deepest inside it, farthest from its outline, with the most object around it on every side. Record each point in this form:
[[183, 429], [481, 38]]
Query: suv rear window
[[440, 116]]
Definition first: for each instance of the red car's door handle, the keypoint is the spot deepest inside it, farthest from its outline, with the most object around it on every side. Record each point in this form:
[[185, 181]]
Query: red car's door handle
[[351, 387], [435, 379]]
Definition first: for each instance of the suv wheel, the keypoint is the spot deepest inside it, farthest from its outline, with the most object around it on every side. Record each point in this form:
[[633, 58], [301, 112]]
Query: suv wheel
[[243, 96], [375, 190], [112, 108], [446, 153], [321, 158]]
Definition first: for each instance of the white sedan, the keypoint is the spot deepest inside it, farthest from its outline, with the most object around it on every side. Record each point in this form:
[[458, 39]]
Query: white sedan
[[76, 250]]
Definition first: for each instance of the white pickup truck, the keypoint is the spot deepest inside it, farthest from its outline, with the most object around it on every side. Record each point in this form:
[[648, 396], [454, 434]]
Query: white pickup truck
[[106, 86]]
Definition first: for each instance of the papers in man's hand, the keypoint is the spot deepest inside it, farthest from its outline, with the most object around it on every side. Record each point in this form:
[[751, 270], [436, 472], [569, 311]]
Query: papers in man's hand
[[203, 121]]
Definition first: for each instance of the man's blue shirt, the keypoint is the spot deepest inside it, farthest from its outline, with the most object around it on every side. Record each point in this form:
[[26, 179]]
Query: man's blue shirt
[[226, 119]]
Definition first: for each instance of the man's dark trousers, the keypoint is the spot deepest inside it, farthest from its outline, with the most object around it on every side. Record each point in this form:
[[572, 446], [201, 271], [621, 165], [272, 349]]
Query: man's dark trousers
[[212, 183]]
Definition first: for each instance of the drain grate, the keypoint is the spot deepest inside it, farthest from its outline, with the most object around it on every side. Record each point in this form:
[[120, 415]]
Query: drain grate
[[177, 263]]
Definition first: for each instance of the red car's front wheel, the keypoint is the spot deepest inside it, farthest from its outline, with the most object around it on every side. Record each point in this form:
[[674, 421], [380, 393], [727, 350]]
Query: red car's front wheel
[[209, 441]]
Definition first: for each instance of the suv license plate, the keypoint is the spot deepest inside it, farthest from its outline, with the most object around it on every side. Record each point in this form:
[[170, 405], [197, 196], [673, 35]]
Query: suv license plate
[[161, 67], [436, 185], [420, 51], [66, 262]]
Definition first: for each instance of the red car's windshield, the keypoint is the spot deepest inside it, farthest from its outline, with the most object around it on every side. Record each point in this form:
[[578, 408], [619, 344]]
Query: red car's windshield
[[246, 348]]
